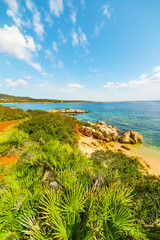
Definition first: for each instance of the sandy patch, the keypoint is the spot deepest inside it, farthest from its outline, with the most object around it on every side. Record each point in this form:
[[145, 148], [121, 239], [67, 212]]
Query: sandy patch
[[149, 157]]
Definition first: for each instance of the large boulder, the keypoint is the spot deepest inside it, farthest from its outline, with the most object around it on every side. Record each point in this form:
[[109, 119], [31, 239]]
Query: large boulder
[[101, 123], [88, 131], [110, 133], [91, 124], [101, 131], [98, 135], [131, 137]]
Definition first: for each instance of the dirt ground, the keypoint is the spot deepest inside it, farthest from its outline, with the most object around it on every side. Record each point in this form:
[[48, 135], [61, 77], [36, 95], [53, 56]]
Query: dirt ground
[[5, 126], [7, 161]]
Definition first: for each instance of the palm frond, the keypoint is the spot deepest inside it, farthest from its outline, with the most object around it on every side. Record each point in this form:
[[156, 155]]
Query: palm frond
[[33, 227]]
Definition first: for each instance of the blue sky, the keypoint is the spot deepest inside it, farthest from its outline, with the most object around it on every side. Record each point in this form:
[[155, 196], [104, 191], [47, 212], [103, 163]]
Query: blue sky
[[78, 49]]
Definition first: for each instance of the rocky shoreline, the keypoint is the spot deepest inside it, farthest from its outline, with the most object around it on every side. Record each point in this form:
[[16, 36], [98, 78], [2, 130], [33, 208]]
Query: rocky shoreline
[[108, 133], [112, 139], [68, 111]]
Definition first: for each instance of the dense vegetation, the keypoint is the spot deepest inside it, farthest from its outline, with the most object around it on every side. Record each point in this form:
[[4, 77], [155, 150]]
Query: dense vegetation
[[55, 192], [4, 98], [9, 114]]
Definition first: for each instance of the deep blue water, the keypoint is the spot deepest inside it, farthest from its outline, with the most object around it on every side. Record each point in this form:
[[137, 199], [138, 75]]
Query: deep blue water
[[143, 117]]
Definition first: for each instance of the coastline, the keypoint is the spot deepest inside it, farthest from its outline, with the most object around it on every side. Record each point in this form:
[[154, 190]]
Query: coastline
[[45, 102], [148, 156]]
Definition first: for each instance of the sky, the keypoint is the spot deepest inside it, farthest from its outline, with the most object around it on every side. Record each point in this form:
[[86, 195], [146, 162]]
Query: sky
[[80, 49]]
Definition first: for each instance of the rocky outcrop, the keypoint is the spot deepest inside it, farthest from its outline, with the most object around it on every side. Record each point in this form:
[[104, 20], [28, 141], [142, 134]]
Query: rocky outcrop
[[101, 131], [131, 137], [88, 131], [68, 111], [108, 133]]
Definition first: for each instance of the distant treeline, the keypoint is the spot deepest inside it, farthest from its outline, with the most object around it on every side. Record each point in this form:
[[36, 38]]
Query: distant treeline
[[12, 99]]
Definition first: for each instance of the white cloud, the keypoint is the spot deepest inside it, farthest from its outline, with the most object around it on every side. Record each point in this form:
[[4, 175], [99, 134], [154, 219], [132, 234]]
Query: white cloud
[[83, 3], [13, 43], [0, 85], [16, 19], [48, 19], [155, 78], [38, 26], [82, 38], [75, 40], [94, 70], [98, 28], [13, 5], [73, 17], [56, 7], [60, 64], [113, 86], [13, 11], [49, 54], [106, 11], [69, 3], [55, 47], [72, 85], [37, 66], [61, 36], [143, 81], [144, 75], [28, 77], [89, 76], [20, 83], [41, 85], [156, 69], [79, 38], [39, 46], [45, 74]]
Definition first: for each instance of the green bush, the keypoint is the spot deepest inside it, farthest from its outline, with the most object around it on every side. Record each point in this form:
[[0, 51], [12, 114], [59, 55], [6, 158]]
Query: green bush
[[51, 126], [9, 114]]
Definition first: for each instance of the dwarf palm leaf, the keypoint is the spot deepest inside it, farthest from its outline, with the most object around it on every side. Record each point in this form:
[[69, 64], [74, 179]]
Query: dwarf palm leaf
[[68, 212], [117, 219], [9, 236], [51, 214], [34, 231]]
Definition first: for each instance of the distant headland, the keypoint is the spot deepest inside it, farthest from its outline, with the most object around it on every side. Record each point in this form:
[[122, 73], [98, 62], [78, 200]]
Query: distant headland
[[4, 98]]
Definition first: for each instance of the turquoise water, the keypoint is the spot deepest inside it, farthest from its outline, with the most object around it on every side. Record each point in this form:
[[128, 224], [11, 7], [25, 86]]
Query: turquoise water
[[143, 117]]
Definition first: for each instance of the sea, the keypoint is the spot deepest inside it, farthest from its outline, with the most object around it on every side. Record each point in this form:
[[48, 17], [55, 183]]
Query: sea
[[143, 117]]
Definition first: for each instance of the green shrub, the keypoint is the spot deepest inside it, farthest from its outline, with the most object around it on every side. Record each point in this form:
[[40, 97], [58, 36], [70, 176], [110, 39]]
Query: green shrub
[[9, 114], [14, 138], [51, 126]]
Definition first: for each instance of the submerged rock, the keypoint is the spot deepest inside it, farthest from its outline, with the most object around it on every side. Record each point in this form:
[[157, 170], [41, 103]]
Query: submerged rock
[[131, 137]]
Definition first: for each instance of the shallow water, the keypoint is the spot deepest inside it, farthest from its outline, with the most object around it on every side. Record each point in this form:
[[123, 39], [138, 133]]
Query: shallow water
[[143, 117]]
